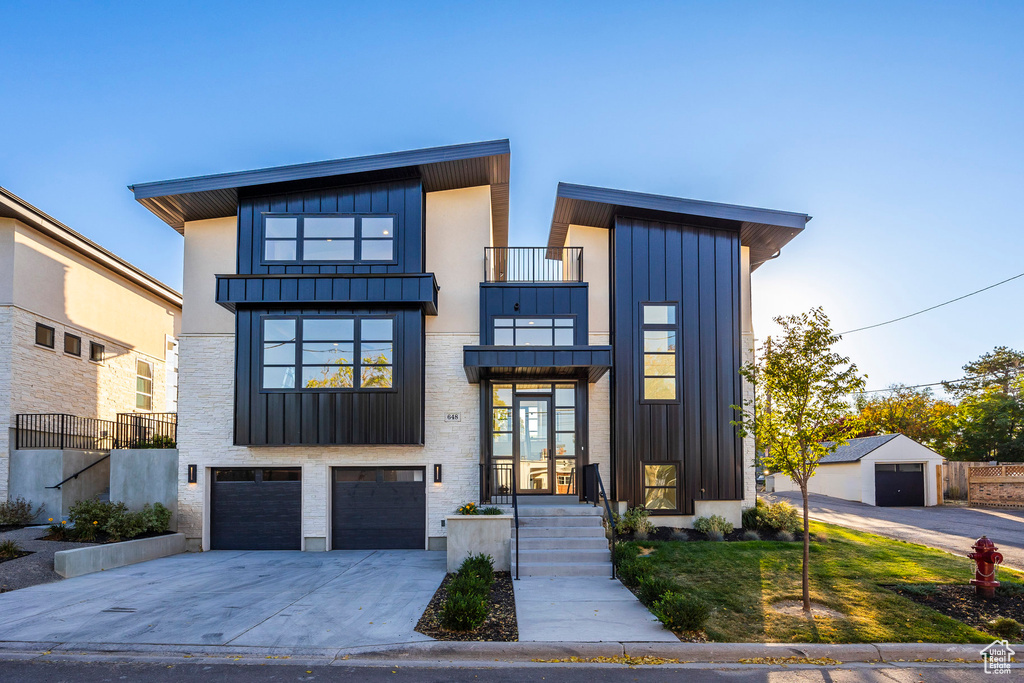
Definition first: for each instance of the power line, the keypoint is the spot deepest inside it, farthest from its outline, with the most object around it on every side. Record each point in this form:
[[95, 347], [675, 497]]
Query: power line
[[932, 308], [934, 384]]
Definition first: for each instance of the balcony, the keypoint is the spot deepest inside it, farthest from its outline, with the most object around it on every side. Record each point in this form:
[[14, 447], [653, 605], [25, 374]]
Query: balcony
[[527, 265]]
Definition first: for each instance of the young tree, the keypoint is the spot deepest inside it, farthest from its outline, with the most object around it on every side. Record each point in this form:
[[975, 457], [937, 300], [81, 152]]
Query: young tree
[[801, 411]]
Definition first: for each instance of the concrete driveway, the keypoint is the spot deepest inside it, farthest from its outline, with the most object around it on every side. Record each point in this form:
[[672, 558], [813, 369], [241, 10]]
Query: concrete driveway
[[950, 528], [264, 599]]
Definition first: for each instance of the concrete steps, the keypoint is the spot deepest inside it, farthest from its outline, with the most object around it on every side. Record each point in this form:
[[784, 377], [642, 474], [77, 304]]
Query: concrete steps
[[562, 540]]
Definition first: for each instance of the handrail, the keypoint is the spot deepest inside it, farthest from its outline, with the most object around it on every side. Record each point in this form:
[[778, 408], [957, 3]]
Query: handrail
[[599, 486], [75, 475], [515, 515]]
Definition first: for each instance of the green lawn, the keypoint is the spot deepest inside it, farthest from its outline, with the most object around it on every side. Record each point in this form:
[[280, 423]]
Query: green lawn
[[848, 571]]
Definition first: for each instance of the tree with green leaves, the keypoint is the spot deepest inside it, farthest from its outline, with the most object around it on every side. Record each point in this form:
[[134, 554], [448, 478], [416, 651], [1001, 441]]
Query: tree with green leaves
[[801, 412], [915, 413], [1000, 369]]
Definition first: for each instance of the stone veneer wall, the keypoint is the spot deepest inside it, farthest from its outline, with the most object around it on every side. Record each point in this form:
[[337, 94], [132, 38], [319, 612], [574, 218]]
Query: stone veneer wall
[[599, 409], [205, 438], [34, 379], [749, 453]]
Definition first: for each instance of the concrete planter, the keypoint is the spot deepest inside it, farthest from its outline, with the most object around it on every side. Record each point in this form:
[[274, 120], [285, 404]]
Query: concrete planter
[[487, 534], [69, 563]]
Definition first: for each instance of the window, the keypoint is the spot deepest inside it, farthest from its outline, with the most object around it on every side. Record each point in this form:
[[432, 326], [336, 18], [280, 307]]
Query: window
[[320, 353], [143, 385], [72, 345], [96, 352], [660, 369], [534, 331], [44, 335], [565, 419], [328, 238], [661, 486]]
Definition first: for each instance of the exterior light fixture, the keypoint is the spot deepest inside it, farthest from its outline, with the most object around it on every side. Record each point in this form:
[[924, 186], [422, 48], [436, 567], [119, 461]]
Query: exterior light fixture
[[193, 474], [437, 473]]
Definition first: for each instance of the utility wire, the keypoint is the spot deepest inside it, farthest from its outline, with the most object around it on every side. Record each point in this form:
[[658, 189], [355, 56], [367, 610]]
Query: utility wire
[[932, 308], [932, 384]]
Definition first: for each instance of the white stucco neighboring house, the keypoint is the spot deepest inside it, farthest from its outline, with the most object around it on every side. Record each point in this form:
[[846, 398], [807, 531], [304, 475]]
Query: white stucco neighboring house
[[889, 470]]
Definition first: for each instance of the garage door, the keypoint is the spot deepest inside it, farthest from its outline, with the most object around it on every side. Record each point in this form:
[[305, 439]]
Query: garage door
[[256, 509], [899, 485], [378, 508]]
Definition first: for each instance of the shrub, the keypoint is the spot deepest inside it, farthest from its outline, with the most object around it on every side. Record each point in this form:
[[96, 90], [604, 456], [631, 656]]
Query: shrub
[[706, 525], [481, 566], [468, 509], [784, 536], [492, 511], [776, 517], [631, 571], [635, 521], [57, 531], [158, 441], [681, 612], [125, 525], [157, 518], [716, 536], [624, 552], [1010, 589], [679, 535], [463, 611], [470, 584], [85, 512], [18, 512], [653, 588], [918, 588], [9, 550], [1004, 627], [751, 535]]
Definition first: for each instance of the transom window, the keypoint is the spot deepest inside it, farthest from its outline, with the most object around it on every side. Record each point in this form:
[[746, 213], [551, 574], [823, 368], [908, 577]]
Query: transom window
[[534, 331], [660, 366], [318, 353], [328, 238], [661, 486]]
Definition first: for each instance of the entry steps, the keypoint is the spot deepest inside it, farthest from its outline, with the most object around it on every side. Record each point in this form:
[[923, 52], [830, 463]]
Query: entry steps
[[563, 540]]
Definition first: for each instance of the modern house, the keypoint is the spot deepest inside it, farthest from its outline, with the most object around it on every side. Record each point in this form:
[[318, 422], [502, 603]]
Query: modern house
[[888, 470], [362, 352], [84, 336]]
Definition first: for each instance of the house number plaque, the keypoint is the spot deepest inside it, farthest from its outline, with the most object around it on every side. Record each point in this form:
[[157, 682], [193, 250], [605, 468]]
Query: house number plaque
[[453, 417]]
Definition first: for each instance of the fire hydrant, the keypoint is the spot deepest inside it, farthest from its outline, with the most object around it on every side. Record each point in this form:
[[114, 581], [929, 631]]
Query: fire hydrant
[[986, 557]]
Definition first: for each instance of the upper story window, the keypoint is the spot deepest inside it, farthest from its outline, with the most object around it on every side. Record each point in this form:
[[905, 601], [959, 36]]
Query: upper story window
[[44, 335], [72, 344], [328, 238], [143, 385], [96, 352], [660, 366], [534, 331], [322, 353]]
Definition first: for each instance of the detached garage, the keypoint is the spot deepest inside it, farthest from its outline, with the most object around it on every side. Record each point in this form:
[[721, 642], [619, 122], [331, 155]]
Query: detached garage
[[890, 470]]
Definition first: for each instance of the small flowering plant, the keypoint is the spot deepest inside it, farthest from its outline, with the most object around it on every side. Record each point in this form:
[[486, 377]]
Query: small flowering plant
[[468, 509]]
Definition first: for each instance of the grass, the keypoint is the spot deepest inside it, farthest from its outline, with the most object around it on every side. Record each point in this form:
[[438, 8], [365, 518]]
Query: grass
[[849, 570]]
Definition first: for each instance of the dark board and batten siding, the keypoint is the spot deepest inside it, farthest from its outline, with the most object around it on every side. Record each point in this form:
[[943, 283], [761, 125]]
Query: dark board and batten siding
[[331, 417], [498, 299], [404, 198], [698, 268], [256, 291]]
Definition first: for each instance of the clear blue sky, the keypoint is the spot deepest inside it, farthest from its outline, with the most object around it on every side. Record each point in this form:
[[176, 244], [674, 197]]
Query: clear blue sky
[[897, 126]]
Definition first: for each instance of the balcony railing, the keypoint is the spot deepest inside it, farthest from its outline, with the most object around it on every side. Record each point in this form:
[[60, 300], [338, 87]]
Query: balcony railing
[[533, 264], [61, 431]]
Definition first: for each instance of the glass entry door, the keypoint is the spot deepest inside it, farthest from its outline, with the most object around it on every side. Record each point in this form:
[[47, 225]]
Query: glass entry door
[[532, 445]]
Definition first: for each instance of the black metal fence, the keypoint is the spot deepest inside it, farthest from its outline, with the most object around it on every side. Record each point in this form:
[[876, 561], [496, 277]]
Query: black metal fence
[[62, 431], [533, 264], [496, 483]]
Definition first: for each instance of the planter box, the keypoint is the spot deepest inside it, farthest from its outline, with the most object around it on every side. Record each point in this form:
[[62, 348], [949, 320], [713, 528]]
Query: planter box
[[487, 534], [69, 563]]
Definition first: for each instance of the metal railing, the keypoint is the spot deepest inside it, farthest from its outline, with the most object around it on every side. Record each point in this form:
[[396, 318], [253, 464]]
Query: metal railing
[[61, 431], [71, 432], [533, 264], [498, 486], [593, 492], [75, 475]]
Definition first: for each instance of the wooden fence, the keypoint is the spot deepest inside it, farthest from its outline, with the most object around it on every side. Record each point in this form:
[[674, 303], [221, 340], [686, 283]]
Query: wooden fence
[[996, 485], [954, 478]]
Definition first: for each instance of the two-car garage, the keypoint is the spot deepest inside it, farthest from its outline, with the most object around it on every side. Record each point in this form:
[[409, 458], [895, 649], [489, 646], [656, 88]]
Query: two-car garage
[[370, 508]]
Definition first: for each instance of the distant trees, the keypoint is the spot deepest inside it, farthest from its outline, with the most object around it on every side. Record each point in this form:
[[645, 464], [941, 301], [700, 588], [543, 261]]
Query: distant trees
[[904, 410]]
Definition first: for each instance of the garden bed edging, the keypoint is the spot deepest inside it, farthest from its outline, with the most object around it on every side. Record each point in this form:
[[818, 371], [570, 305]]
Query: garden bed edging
[[473, 534], [79, 561]]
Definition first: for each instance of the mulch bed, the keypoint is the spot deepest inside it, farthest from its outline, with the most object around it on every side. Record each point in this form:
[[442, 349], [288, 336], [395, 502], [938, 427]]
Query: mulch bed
[[662, 533], [960, 602], [101, 538], [23, 553], [500, 624]]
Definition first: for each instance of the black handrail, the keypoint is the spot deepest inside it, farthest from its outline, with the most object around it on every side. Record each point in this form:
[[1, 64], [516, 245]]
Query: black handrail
[[594, 489], [75, 475], [515, 516]]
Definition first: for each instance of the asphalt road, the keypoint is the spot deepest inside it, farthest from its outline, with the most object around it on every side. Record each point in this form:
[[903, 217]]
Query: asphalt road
[[85, 672], [947, 527]]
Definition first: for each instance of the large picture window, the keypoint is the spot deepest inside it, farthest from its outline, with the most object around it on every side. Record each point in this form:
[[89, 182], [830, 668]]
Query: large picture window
[[660, 357], [328, 238], [534, 331], [323, 353], [661, 486]]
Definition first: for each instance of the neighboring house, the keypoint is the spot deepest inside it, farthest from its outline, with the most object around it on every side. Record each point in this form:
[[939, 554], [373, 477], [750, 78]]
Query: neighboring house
[[890, 470], [82, 332], [361, 351]]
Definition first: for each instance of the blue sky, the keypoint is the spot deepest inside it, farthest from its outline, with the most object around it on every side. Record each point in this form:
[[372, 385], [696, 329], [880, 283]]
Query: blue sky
[[897, 126]]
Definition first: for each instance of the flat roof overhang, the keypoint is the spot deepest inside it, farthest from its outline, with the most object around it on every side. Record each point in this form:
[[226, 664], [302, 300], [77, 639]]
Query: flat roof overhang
[[588, 363], [359, 289], [440, 168], [765, 231]]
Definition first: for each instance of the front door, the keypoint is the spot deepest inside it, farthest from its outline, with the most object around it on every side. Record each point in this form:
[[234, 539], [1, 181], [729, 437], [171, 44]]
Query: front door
[[532, 445]]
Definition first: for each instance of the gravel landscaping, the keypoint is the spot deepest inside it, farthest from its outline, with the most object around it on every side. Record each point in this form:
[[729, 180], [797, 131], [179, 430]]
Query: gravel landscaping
[[500, 624], [35, 568]]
